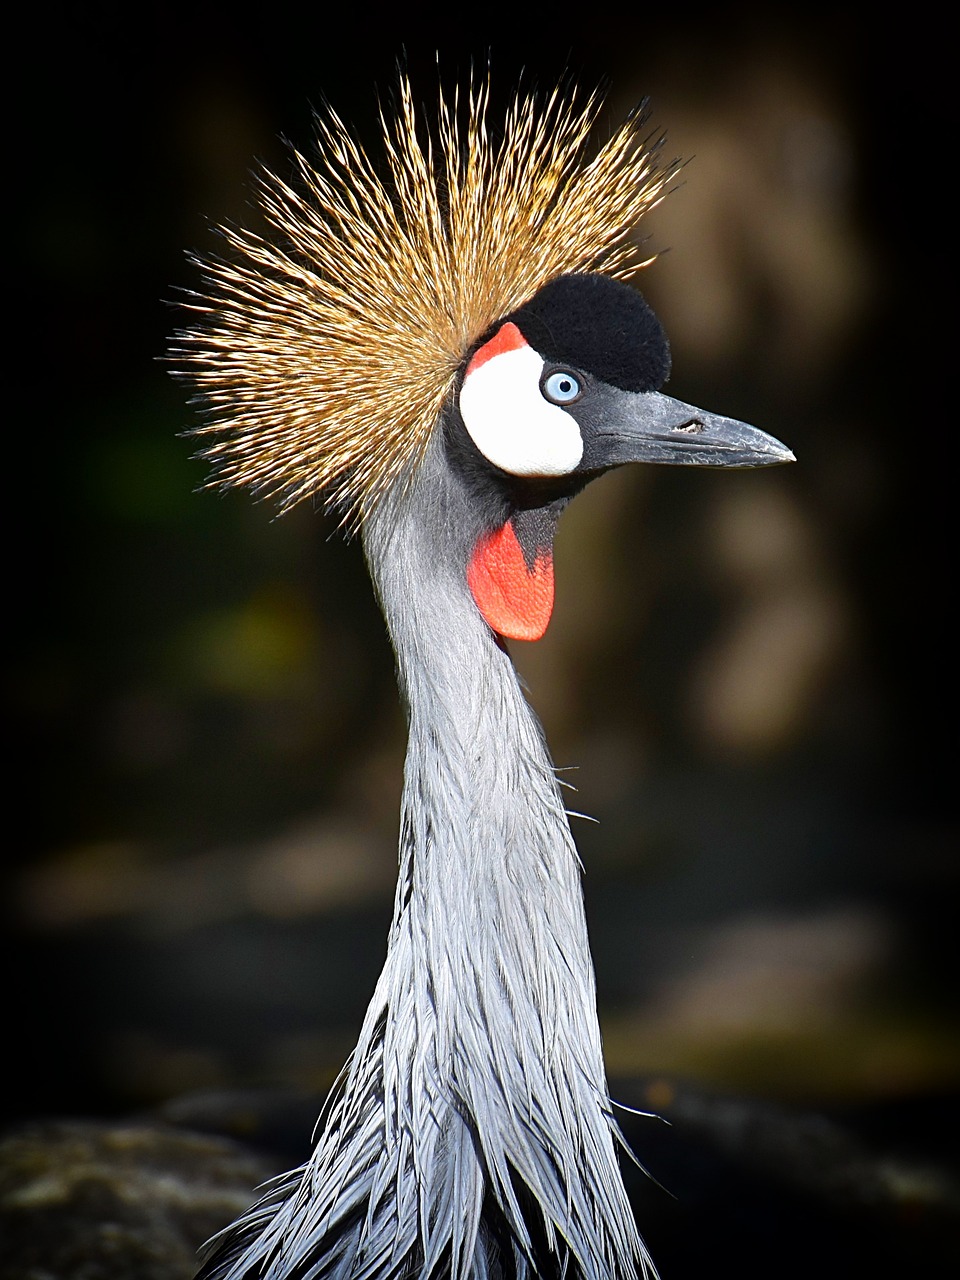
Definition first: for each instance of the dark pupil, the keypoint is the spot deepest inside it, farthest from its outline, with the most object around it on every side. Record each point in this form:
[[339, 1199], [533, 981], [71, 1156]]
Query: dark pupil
[[565, 385]]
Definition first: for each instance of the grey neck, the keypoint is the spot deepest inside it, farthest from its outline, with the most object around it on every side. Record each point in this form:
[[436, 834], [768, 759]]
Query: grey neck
[[489, 875], [489, 919], [470, 1135]]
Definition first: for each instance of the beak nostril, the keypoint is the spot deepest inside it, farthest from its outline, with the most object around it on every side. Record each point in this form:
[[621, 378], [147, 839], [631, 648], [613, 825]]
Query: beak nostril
[[691, 428]]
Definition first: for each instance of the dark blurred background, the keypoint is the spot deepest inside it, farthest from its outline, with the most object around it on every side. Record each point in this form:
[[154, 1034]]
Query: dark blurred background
[[747, 669]]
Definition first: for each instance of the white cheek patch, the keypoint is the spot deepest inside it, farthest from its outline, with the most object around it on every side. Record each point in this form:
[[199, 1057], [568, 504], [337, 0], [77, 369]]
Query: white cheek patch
[[511, 423]]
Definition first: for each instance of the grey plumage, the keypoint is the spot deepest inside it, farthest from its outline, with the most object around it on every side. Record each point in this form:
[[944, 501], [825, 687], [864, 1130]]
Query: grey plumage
[[470, 1136], [475, 1101]]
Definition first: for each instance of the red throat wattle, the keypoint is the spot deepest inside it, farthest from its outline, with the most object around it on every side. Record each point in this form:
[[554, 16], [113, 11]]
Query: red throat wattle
[[514, 597]]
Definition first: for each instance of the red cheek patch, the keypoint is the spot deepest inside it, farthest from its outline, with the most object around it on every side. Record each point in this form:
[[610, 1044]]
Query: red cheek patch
[[515, 600]]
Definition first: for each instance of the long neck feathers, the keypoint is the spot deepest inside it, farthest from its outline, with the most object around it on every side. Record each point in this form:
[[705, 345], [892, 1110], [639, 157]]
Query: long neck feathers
[[470, 1135]]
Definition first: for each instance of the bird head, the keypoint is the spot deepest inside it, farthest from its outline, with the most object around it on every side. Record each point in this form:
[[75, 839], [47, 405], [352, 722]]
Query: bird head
[[564, 389], [477, 292]]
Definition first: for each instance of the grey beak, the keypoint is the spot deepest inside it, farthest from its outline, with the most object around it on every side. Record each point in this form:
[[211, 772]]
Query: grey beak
[[646, 426]]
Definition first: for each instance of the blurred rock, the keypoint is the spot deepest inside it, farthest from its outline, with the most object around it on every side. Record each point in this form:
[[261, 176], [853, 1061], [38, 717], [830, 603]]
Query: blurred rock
[[82, 1201]]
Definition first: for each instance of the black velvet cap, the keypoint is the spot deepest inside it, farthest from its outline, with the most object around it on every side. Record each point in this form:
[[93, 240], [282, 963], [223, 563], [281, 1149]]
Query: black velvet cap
[[599, 325]]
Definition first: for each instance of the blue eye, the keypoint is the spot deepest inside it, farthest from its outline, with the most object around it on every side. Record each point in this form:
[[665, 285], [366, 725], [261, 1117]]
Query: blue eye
[[561, 387]]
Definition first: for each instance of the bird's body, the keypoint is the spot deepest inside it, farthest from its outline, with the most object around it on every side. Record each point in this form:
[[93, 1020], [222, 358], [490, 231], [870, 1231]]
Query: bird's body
[[487, 998], [471, 1134]]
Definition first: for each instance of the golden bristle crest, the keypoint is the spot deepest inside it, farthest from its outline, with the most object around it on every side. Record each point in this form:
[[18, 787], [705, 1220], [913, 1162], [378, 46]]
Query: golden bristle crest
[[324, 358]]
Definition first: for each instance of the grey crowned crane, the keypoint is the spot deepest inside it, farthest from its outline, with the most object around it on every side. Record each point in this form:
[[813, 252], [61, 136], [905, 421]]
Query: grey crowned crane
[[447, 352]]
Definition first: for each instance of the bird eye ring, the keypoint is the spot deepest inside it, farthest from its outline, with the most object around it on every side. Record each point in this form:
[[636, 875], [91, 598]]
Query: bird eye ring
[[562, 387]]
